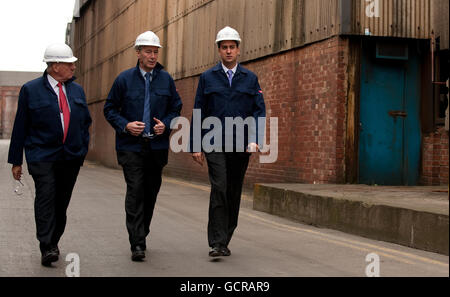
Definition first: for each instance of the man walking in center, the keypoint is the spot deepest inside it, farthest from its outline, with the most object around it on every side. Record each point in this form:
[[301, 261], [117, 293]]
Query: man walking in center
[[224, 91], [52, 125], [140, 107]]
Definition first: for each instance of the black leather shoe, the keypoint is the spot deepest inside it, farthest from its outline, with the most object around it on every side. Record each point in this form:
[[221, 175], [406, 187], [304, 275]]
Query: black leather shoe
[[48, 257], [226, 252], [216, 252], [138, 254]]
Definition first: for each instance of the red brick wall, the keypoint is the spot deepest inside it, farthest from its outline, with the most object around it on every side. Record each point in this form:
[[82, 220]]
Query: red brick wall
[[8, 108], [306, 89], [435, 158]]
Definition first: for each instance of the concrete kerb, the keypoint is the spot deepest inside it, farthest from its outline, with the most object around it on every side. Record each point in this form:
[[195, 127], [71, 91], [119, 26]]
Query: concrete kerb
[[418, 226]]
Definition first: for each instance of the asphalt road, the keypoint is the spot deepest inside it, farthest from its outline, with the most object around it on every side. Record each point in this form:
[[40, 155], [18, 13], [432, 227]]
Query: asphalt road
[[263, 245]]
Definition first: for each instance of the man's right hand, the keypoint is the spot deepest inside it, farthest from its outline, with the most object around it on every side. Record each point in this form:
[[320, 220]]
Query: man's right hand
[[135, 128], [17, 171], [199, 158]]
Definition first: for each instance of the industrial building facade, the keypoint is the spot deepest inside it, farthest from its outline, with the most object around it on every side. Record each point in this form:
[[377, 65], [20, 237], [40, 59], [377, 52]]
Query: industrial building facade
[[10, 84], [356, 85]]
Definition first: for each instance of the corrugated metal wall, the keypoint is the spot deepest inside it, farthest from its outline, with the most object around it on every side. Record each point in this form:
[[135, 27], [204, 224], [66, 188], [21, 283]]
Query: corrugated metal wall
[[397, 18], [439, 21], [106, 30], [401, 18]]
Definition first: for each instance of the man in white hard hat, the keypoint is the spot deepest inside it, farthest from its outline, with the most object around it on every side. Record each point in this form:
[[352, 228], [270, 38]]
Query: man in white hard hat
[[227, 90], [140, 106], [52, 125]]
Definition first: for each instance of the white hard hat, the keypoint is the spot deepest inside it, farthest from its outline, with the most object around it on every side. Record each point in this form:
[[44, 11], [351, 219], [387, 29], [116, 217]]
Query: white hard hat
[[228, 33], [147, 39], [60, 53]]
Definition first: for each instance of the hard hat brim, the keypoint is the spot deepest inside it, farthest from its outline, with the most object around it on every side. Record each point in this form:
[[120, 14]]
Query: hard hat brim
[[138, 45], [227, 39], [63, 60]]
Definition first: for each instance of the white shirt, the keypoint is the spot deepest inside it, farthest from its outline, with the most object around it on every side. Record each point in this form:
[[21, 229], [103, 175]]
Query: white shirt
[[226, 70], [54, 83]]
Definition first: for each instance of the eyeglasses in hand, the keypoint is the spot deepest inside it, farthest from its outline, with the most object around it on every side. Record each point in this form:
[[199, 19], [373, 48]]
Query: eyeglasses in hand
[[18, 190]]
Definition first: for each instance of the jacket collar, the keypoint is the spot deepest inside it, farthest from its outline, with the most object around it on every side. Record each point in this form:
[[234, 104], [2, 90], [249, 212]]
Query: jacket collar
[[218, 67]]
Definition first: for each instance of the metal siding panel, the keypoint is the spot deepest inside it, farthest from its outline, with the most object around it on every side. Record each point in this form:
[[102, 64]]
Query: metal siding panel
[[319, 16], [267, 32], [170, 49], [286, 32], [398, 18], [440, 21], [211, 37], [106, 30], [203, 42], [250, 29], [189, 43]]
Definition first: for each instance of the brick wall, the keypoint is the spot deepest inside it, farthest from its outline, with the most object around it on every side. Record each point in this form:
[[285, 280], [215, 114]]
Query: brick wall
[[306, 89], [8, 107], [435, 158]]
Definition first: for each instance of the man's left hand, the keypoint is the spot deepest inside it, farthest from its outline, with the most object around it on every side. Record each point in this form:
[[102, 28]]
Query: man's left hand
[[159, 128]]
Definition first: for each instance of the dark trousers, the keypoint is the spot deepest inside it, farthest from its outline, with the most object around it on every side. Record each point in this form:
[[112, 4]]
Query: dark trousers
[[226, 174], [142, 172], [54, 183]]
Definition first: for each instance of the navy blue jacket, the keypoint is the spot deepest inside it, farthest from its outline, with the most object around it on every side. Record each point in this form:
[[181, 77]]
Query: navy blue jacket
[[38, 129], [125, 104], [215, 98]]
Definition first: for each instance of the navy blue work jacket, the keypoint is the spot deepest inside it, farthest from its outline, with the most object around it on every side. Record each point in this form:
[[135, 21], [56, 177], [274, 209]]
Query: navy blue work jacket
[[125, 104], [215, 98], [38, 128]]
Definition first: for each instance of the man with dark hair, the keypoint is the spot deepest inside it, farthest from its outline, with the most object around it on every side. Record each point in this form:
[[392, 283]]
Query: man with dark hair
[[224, 91]]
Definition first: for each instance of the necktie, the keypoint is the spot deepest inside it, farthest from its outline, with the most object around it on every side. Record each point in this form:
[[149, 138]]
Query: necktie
[[64, 108], [230, 76], [146, 117]]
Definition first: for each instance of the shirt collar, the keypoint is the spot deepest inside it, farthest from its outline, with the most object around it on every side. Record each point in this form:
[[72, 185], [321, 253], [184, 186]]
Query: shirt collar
[[53, 82], [143, 72], [226, 69]]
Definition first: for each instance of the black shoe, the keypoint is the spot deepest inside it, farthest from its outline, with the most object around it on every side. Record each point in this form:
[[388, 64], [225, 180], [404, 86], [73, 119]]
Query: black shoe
[[216, 252], [138, 254], [226, 252], [48, 257]]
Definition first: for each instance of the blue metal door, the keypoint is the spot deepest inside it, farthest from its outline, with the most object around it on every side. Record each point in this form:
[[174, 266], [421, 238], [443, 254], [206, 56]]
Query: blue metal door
[[389, 141]]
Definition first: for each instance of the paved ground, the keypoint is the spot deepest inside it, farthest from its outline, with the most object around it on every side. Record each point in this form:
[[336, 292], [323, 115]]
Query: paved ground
[[263, 245]]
